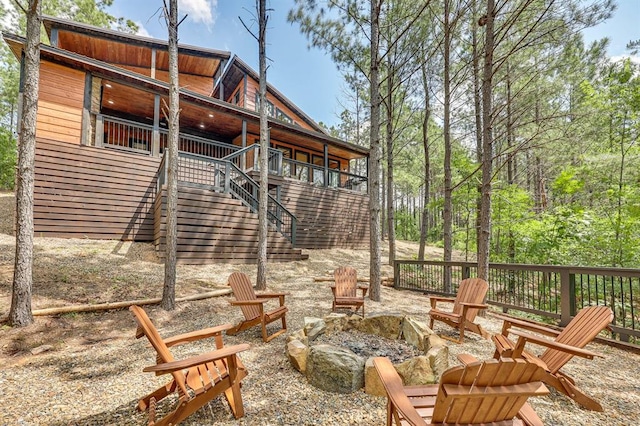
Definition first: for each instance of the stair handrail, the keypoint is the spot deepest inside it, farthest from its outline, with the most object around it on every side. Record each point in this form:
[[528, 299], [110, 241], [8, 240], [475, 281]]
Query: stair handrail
[[272, 153], [277, 214]]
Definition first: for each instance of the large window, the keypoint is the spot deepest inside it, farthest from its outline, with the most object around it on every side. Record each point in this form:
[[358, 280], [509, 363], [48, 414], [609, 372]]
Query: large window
[[271, 110], [280, 115]]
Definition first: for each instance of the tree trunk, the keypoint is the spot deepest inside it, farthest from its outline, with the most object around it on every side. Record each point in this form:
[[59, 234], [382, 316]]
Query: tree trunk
[[261, 282], [487, 146], [374, 157], [169, 290], [446, 214], [424, 226], [477, 112], [20, 310], [391, 228]]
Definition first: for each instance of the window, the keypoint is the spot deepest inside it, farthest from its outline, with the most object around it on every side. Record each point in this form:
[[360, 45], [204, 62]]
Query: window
[[270, 107], [302, 172], [318, 172], [236, 98], [280, 115], [286, 155]]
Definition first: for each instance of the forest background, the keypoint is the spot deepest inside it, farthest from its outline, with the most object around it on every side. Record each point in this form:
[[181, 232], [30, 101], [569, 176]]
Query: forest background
[[565, 121]]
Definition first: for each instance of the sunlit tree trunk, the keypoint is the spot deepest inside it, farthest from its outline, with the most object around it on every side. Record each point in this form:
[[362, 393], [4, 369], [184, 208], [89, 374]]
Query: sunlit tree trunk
[[374, 156], [261, 282], [169, 290], [20, 310]]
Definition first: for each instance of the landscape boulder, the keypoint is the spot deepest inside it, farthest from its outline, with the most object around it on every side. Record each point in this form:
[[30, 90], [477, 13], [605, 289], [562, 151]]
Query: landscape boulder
[[335, 369]]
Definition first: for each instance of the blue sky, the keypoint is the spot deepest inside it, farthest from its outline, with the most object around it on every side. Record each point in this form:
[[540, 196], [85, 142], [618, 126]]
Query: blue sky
[[307, 77]]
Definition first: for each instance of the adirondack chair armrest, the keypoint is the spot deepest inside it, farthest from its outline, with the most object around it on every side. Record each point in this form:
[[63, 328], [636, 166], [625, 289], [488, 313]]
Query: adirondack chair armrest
[[247, 302], [509, 322], [474, 305], [196, 335], [170, 367], [364, 289], [271, 295], [435, 299], [523, 338]]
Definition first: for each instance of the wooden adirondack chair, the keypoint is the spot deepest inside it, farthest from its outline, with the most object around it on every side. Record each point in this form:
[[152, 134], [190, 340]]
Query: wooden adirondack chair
[[252, 306], [582, 329], [466, 305], [345, 289], [490, 392], [196, 380]]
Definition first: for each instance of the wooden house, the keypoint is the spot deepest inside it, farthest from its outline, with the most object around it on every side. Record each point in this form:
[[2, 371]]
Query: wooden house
[[101, 134]]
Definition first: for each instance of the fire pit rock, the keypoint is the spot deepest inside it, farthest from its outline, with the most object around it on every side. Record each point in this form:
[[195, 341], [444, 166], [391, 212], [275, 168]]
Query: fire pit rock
[[337, 368]]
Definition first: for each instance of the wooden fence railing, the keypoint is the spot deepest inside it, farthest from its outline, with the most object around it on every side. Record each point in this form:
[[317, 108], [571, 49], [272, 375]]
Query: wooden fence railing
[[556, 292]]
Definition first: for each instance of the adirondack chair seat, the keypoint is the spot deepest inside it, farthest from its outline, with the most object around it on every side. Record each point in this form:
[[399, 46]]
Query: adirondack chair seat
[[581, 330], [466, 305], [253, 309], [491, 392], [197, 379]]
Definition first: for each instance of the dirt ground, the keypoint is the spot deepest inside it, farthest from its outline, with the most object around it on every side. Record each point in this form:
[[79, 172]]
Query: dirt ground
[[82, 271]]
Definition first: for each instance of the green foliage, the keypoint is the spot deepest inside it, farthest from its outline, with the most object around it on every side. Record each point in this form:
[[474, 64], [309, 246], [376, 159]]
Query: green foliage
[[8, 157]]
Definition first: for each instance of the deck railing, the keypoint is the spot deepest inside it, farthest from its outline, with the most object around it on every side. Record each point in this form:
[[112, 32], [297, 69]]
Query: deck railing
[[556, 292], [113, 132], [223, 176], [307, 172], [249, 158]]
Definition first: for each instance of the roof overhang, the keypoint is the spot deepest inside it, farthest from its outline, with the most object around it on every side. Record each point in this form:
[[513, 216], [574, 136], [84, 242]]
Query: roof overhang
[[131, 50], [279, 130]]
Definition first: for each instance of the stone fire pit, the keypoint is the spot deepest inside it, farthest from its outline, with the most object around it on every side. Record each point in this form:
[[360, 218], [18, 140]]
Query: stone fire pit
[[338, 369]]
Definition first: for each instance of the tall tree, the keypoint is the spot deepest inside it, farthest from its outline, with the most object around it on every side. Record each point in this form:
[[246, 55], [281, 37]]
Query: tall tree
[[375, 153], [169, 289], [261, 282], [487, 143], [20, 311]]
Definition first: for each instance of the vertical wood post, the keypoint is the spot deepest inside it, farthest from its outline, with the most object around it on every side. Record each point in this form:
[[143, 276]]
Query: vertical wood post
[[153, 63], [85, 133], [99, 130], [243, 157], [325, 153], [155, 138], [567, 297]]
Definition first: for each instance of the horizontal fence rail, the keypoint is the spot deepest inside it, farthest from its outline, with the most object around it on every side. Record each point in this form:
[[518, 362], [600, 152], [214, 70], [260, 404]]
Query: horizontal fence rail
[[556, 292]]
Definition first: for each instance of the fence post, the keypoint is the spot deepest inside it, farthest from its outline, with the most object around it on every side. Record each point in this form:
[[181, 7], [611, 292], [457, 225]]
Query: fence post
[[567, 296], [99, 130], [293, 232], [227, 177], [396, 274], [466, 272]]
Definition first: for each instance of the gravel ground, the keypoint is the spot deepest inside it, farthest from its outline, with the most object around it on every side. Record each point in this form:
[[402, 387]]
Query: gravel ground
[[91, 373]]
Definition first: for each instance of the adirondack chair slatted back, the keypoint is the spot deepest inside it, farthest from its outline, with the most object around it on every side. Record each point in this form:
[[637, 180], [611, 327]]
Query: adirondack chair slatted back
[[146, 328], [243, 290], [471, 290], [346, 280], [582, 329], [485, 392]]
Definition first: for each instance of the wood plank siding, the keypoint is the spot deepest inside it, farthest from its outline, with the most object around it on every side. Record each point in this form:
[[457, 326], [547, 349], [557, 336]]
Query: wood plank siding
[[327, 217], [214, 227], [60, 101], [88, 192]]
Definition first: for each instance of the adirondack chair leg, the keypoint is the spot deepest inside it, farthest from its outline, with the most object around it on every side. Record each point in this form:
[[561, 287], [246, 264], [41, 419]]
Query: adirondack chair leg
[[156, 395], [564, 385], [389, 412], [234, 398]]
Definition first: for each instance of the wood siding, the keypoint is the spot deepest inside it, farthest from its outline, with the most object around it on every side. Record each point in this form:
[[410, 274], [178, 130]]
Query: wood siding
[[88, 192], [214, 227], [253, 87], [60, 102], [327, 217]]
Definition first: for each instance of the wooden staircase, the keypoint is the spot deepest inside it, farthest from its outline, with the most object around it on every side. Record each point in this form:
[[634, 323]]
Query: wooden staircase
[[214, 227]]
